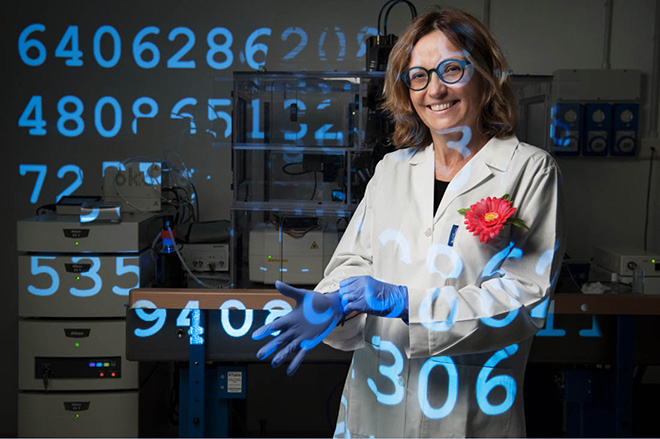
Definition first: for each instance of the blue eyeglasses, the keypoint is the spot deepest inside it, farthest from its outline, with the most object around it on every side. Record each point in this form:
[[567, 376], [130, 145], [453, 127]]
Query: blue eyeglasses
[[450, 71]]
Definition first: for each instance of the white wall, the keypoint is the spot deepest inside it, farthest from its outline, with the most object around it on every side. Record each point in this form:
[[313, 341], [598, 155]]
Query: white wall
[[605, 198]]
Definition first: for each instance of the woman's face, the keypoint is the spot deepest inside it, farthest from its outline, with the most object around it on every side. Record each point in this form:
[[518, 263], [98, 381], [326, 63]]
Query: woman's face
[[445, 107]]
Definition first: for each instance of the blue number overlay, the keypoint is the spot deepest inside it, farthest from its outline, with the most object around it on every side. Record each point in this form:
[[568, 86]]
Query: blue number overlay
[[224, 318], [93, 274], [116, 46], [251, 48], [452, 388], [224, 48], [66, 169], [175, 61], [139, 47], [391, 372], [214, 114], [70, 40], [294, 30], [122, 269], [486, 385], [156, 315], [25, 44], [107, 100], [36, 123], [39, 183], [140, 114], [72, 116], [36, 269]]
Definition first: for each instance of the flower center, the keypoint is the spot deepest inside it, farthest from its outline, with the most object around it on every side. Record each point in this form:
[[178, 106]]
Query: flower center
[[491, 216]]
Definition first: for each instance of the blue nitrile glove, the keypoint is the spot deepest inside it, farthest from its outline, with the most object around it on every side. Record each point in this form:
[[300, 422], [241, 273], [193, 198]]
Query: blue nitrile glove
[[371, 296], [313, 318]]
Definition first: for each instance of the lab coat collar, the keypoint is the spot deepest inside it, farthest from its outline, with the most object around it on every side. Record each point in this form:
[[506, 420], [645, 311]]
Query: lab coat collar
[[496, 153]]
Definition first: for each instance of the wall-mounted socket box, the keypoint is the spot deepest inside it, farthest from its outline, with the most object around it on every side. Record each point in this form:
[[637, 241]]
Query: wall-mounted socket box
[[646, 149]]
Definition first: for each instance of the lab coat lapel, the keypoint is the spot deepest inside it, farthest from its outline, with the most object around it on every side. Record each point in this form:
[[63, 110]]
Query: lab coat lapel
[[496, 154], [423, 178]]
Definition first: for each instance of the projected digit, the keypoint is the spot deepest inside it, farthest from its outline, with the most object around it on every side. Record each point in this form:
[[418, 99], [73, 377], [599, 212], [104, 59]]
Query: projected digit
[[66, 169], [289, 135], [390, 372], [116, 46], [39, 183], [25, 44], [277, 308], [251, 48], [452, 387], [176, 112], [224, 48], [140, 47], [139, 114], [36, 269], [158, 316], [98, 121], [123, 268], [70, 39], [92, 274], [362, 36], [341, 38], [175, 60], [32, 117], [184, 316], [214, 114], [486, 385], [226, 324], [73, 116], [294, 30]]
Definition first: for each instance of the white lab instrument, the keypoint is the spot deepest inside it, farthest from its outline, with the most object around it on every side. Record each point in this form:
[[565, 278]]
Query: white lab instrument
[[622, 264], [291, 256]]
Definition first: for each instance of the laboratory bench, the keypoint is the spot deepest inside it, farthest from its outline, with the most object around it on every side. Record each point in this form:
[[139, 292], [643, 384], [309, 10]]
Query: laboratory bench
[[583, 377]]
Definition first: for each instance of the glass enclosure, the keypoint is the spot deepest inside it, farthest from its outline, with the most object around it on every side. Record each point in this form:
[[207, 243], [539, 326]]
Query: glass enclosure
[[304, 146]]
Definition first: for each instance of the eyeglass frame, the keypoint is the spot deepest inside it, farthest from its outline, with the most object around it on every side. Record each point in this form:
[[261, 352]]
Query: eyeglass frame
[[462, 63]]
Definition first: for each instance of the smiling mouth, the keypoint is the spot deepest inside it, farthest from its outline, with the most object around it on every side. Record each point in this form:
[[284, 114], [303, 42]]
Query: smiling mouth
[[442, 107]]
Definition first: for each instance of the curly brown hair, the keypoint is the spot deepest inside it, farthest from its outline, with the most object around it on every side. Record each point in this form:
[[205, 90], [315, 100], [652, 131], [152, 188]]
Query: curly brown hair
[[497, 116]]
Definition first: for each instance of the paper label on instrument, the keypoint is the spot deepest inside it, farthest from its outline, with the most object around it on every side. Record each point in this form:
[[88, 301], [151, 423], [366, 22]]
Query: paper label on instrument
[[234, 382]]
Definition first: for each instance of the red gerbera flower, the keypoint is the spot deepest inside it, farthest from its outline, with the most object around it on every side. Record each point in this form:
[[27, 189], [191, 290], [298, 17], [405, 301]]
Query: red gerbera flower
[[486, 218]]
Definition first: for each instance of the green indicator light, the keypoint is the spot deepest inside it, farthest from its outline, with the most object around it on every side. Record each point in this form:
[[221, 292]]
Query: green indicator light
[[76, 243], [77, 277], [106, 364], [77, 415], [77, 345], [653, 261], [269, 257]]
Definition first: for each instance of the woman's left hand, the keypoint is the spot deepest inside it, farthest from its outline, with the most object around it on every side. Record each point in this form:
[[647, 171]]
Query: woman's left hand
[[371, 296]]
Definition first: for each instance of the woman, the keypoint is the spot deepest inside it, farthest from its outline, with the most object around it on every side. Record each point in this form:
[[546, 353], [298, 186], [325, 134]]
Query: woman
[[445, 272]]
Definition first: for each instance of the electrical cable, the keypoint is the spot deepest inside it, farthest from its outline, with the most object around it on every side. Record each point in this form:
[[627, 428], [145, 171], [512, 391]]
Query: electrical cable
[[294, 173], [648, 198], [413, 12], [195, 199], [381, 13], [315, 183], [151, 372]]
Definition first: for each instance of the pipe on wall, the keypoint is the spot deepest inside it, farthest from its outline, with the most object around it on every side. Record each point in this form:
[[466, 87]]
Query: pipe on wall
[[486, 18], [607, 34], [654, 99]]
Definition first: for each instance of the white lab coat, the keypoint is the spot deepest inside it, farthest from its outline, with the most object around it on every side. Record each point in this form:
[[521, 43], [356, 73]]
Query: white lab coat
[[457, 369]]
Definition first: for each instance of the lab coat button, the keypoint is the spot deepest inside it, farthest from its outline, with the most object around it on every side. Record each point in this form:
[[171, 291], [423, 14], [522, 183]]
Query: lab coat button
[[428, 232]]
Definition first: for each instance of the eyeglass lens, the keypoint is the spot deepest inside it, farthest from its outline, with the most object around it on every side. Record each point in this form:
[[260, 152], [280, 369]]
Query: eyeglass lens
[[450, 71]]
